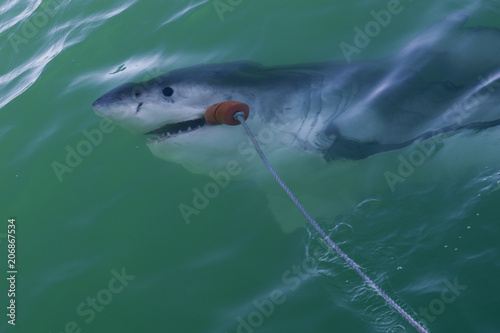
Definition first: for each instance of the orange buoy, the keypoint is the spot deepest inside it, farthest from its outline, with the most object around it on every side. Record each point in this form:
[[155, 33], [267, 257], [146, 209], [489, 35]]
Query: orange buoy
[[223, 113]]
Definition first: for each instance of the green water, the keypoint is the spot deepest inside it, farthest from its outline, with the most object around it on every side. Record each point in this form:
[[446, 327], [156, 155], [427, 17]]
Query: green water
[[432, 243]]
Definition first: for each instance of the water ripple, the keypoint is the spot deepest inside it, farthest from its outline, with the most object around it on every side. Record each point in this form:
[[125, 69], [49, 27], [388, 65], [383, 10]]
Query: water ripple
[[58, 37], [31, 7]]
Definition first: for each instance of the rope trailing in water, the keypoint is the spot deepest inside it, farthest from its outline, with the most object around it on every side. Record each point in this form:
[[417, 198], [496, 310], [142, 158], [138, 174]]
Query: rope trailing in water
[[240, 117]]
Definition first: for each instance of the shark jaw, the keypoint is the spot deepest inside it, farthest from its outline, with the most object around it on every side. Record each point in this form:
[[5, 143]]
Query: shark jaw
[[206, 149], [170, 131]]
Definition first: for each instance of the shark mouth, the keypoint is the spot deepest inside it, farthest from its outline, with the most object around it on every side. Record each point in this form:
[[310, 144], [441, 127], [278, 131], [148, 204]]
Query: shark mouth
[[170, 130]]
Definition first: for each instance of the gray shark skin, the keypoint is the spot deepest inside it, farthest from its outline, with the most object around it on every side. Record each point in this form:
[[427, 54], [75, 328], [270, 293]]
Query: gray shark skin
[[447, 79]]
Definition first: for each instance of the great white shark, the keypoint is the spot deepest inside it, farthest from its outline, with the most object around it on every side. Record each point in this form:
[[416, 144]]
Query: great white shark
[[446, 79]]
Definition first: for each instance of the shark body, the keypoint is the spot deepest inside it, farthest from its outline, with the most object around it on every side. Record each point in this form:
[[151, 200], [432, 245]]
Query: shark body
[[446, 79]]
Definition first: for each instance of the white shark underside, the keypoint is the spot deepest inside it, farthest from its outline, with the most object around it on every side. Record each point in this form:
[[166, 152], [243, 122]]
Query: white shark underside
[[445, 80]]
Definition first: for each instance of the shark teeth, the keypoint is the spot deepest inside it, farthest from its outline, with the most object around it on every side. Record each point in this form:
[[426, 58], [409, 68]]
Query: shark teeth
[[175, 130]]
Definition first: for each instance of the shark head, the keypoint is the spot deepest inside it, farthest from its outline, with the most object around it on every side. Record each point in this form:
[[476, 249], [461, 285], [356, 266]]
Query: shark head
[[168, 105], [170, 109]]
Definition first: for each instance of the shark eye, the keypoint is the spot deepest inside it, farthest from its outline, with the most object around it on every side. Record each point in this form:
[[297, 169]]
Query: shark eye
[[168, 91]]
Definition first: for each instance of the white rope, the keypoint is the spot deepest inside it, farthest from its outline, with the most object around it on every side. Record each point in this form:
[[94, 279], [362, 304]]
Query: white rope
[[240, 117]]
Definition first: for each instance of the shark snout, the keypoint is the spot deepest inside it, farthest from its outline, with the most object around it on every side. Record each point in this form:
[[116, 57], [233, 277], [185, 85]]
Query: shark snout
[[125, 93]]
